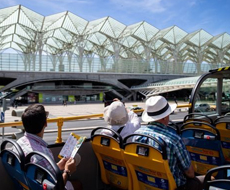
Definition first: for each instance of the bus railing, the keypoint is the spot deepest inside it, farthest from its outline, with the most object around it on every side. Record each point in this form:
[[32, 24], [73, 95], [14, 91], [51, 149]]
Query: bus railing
[[61, 120], [58, 120]]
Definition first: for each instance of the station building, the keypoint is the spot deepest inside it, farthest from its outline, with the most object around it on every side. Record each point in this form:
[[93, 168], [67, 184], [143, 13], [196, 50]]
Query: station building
[[63, 56]]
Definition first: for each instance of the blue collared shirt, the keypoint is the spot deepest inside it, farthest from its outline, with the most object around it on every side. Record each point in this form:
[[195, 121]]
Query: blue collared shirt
[[178, 157]]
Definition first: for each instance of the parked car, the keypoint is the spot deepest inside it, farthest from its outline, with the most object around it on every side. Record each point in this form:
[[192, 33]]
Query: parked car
[[202, 107], [224, 107]]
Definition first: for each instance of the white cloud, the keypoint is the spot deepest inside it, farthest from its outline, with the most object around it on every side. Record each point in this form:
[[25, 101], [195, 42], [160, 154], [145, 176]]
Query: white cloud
[[66, 1], [48, 7], [192, 3], [154, 6], [84, 2], [7, 3]]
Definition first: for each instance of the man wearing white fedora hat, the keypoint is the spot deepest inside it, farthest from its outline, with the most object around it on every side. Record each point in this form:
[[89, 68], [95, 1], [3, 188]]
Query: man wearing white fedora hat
[[120, 120], [156, 114]]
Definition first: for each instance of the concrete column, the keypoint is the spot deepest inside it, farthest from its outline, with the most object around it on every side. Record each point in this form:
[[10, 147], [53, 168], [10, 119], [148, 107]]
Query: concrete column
[[39, 44], [135, 96], [34, 61], [61, 66], [69, 56], [80, 57], [90, 57], [54, 61], [116, 48]]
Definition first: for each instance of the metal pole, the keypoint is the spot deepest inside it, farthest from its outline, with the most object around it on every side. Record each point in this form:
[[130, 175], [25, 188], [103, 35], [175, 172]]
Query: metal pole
[[3, 116]]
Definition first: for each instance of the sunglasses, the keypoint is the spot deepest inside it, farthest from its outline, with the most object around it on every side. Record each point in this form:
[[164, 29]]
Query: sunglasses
[[47, 114]]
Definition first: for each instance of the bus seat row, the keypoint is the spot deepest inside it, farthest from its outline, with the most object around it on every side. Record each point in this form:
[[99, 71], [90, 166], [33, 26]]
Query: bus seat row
[[132, 165], [129, 165], [204, 146], [198, 117], [27, 175], [203, 142], [219, 133], [125, 164], [223, 125]]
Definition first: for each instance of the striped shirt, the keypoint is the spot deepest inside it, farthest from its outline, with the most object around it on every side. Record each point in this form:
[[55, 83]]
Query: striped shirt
[[30, 142], [178, 157]]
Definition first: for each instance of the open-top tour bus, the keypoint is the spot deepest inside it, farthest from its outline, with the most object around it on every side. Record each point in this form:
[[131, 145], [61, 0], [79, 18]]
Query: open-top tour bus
[[113, 162]]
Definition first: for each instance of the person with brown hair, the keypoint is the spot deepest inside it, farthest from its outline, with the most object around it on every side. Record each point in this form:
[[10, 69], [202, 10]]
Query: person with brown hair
[[34, 120]]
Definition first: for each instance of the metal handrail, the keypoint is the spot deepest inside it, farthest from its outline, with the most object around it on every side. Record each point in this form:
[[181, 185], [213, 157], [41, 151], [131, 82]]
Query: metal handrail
[[184, 105], [61, 120]]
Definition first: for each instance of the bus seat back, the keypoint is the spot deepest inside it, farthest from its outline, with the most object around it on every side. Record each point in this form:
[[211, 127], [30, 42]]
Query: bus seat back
[[223, 125], [39, 177], [149, 168], [14, 164], [199, 125], [204, 148], [110, 157], [199, 117], [218, 184]]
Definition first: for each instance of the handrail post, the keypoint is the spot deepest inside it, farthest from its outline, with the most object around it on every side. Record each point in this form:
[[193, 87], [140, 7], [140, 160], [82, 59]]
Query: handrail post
[[59, 124]]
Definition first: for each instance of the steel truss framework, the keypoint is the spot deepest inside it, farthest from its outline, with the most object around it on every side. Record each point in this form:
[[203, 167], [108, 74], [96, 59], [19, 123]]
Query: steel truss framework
[[67, 35], [157, 88]]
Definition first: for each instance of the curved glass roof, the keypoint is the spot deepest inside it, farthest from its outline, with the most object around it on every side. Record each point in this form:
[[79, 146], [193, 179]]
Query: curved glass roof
[[29, 32], [156, 88], [166, 86]]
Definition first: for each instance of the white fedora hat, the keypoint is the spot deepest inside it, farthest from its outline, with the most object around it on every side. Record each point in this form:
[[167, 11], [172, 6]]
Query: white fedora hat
[[116, 114], [156, 108]]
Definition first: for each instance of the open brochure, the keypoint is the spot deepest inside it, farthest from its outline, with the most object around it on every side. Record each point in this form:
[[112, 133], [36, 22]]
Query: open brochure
[[71, 146]]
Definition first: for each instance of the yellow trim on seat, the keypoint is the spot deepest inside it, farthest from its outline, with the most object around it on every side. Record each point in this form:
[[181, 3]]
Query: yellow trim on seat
[[114, 170], [23, 185], [148, 171]]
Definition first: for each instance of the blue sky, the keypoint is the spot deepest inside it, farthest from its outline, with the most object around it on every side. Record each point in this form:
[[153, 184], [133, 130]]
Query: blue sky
[[190, 15]]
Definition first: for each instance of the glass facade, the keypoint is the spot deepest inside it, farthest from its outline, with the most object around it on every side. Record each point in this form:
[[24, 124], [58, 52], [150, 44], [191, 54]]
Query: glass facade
[[58, 99], [66, 42]]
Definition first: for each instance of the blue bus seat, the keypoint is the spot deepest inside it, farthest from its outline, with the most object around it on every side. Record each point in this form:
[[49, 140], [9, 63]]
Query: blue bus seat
[[39, 177], [223, 125], [199, 125], [109, 152], [218, 184], [198, 117], [204, 147], [200, 121], [174, 128], [14, 163], [148, 165]]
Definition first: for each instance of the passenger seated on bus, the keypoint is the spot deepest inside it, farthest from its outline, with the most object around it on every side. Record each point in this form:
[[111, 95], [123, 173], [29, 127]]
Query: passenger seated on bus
[[121, 120], [157, 111], [34, 120]]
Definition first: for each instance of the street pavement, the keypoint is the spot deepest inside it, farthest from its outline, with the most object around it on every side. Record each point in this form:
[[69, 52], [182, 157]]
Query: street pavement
[[76, 109], [75, 126]]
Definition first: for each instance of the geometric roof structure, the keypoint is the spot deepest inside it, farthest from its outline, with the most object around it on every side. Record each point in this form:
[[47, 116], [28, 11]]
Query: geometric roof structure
[[65, 34]]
